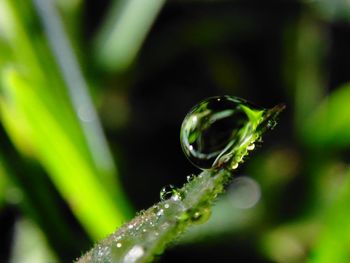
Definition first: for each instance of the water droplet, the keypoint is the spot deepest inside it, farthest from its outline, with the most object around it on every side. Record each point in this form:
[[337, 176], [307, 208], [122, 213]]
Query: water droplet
[[201, 216], [119, 245], [190, 177], [219, 129], [177, 196], [170, 192], [251, 147], [234, 166], [214, 129], [117, 238], [160, 212], [166, 192], [134, 254]]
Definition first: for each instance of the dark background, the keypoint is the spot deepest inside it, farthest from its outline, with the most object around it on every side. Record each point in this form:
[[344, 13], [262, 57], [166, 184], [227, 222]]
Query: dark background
[[258, 50]]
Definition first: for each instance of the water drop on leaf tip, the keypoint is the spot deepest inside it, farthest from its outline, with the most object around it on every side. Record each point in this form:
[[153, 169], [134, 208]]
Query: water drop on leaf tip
[[216, 130]]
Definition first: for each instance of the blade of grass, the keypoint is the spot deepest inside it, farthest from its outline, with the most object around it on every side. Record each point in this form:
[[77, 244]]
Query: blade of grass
[[124, 31], [151, 231], [306, 43], [29, 244], [328, 126], [76, 85], [69, 171], [39, 118]]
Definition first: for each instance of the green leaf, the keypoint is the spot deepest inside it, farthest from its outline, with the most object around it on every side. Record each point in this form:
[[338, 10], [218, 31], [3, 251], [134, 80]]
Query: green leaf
[[69, 169], [334, 241], [38, 114], [29, 244], [329, 125], [333, 10], [124, 31], [149, 233]]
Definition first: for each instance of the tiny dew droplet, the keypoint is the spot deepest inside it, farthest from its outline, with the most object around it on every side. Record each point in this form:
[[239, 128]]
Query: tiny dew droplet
[[234, 166], [170, 192], [177, 196], [251, 147], [166, 192], [160, 212], [201, 216], [218, 130], [190, 177]]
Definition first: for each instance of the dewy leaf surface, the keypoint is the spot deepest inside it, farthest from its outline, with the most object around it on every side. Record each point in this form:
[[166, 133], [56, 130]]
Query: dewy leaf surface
[[151, 231]]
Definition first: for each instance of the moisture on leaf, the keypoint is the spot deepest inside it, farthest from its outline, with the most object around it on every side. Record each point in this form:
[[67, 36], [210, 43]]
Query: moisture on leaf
[[215, 136]]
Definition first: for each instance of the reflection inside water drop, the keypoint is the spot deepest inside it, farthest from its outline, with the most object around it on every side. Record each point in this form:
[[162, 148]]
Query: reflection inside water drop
[[214, 127]]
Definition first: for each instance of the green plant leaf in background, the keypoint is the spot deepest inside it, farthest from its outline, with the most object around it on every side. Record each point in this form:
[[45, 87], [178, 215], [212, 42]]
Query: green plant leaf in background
[[305, 50], [37, 113], [328, 132], [331, 9], [333, 244], [3, 184], [123, 32], [329, 125], [29, 244]]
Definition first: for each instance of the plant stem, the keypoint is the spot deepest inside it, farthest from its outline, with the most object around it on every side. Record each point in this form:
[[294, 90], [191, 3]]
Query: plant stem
[[151, 231]]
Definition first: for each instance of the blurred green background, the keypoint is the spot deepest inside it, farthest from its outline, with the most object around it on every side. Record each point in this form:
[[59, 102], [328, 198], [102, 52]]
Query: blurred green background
[[92, 96]]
